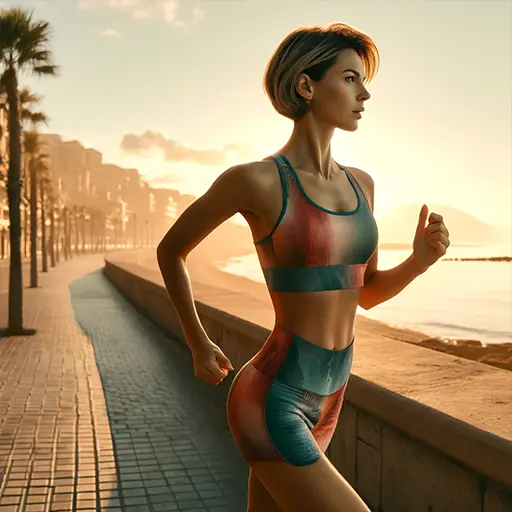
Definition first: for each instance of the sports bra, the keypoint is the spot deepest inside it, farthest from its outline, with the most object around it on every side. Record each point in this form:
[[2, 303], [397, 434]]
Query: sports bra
[[314, 249]]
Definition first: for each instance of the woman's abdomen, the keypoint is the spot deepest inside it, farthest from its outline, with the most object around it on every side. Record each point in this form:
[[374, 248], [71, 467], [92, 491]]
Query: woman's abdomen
[[324, 318]]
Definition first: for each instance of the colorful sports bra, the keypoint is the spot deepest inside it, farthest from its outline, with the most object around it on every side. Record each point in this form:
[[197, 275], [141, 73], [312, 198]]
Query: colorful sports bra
[[311, 248]]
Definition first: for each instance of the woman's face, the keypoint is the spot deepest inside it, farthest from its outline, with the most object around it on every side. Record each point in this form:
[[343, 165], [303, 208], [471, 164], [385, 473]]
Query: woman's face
[[340, 92]]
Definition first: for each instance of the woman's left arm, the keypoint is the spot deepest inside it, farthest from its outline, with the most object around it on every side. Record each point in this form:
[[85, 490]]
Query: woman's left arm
[[382, 285], [430, 243]]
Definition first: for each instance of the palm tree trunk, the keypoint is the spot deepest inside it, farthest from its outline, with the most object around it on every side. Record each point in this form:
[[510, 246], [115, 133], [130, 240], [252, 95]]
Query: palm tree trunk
[[2, 243], [57, 241], [26, 202], [67, 243], [52, 236], [91, 234], [33, 224], [25, 231], [69, 223], [82, 232], [15, 314], [44, 253], [77, 248]]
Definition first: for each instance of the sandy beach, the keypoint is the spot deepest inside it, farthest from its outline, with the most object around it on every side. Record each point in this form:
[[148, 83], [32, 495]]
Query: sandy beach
[[252, 299]]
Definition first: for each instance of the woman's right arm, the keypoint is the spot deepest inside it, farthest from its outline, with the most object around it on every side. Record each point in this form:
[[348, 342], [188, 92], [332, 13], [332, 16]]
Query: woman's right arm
[[229, 194]]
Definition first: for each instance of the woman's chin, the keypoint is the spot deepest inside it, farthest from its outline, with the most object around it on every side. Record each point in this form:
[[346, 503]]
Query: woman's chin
[[349, 127]]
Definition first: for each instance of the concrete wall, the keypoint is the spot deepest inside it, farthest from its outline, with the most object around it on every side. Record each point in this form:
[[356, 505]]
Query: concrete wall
[[400, 454]]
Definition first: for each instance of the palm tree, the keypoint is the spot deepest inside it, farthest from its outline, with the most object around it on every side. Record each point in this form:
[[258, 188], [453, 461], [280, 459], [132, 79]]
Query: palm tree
[[31, 156], [31, 146], [66, 239], [3, 165], [44, 186], [39, 181], [28, 98], [53, 243], [24, 46], [76, 214], [33, 119]]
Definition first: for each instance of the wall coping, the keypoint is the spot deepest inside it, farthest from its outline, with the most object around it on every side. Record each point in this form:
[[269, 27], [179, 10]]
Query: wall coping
[[421, 392]]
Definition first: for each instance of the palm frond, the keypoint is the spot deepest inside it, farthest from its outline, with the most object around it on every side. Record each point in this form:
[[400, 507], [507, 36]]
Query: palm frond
[[31, 144], [13, 23], [24, 43], [27, 96], [34, 118], [48, 70]]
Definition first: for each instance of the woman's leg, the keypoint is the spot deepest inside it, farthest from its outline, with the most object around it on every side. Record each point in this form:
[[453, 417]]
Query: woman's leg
[[259, 499], [318, 486]]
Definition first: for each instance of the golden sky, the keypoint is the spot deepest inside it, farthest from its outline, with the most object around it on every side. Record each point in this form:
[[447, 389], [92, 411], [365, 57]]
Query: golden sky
[[183, 80]]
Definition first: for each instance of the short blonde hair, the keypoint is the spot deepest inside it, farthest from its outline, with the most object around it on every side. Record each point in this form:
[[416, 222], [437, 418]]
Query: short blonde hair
[[312, 50]]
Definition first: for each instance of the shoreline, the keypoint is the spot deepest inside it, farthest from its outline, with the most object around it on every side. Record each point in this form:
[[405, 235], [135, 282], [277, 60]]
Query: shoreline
[[492, 258], [209, 281]]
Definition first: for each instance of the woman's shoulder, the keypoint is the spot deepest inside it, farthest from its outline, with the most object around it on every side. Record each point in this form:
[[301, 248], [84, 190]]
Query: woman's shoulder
[[359, 174], [258, 174], [365, 181], [253, 183]]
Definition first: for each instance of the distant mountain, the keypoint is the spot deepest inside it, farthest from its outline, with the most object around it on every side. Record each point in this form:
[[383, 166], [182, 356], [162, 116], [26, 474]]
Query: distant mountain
[[400, 226]]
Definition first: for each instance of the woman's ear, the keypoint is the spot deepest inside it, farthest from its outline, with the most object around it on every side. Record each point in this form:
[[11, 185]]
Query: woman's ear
[[304, 87]]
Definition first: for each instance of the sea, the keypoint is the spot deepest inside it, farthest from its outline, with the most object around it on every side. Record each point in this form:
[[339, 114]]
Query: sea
[[451, 300]]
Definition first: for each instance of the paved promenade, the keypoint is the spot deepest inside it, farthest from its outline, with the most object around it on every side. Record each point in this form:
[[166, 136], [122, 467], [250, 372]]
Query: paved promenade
[[101, 411]]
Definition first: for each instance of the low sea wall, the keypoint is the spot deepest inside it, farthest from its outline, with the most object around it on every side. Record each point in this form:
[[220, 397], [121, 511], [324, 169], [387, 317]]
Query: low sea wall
[[434, 439]]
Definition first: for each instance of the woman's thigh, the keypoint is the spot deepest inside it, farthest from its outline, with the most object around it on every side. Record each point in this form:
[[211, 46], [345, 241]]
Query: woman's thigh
[[311, 488], [259, 499]]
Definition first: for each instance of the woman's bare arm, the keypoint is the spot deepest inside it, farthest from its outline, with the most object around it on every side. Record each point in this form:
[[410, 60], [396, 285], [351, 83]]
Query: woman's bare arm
[[382, 285], [230, 193]]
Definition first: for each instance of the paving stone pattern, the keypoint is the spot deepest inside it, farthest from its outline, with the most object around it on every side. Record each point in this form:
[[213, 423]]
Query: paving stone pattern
[[172, 446], [56, 451], [140, 434]]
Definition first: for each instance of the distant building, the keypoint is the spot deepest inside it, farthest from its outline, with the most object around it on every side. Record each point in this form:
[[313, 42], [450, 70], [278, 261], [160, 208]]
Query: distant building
[[132, 209]]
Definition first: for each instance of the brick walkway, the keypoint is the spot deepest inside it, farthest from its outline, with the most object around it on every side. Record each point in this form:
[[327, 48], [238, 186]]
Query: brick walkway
[[111, 420]]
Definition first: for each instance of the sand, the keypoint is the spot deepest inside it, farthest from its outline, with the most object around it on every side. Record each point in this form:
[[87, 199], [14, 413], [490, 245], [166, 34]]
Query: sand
[[252, 301]]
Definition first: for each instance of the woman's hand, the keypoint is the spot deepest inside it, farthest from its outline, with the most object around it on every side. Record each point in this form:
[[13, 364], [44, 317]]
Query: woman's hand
[[430, 242], [210, 363]]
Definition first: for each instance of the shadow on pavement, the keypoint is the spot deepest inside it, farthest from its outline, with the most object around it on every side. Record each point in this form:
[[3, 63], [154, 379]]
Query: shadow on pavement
[[172, 445]]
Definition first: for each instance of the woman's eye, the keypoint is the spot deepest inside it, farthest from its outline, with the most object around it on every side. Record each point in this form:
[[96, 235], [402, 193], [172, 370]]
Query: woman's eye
[[349, 77]]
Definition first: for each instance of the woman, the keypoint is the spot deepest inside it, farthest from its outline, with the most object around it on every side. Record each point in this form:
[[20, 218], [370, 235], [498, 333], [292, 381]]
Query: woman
[[314, 231]]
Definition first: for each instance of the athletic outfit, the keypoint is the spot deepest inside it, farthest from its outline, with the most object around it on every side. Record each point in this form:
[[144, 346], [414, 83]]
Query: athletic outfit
[[283, 404]]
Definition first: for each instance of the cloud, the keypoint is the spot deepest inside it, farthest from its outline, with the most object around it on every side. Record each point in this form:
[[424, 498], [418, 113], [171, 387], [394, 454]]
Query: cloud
[[171, 11], [85, 5], [143, 9], [175, 151], [197, 13], [110, 32], [138, 9]]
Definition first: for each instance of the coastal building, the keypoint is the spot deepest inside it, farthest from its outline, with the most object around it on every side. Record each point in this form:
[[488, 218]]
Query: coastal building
[[134, 212], [131, 211]]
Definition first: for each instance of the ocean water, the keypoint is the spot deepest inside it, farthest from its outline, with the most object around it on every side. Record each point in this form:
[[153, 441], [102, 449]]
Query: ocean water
[[452, 300]]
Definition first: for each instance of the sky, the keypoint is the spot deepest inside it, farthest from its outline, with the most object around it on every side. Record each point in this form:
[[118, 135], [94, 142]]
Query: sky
[[174, 89]]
